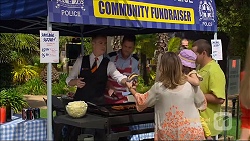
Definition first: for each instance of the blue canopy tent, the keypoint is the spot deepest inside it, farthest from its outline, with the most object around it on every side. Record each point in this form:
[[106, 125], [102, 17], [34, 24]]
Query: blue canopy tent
[[103, 17], [110, 17]]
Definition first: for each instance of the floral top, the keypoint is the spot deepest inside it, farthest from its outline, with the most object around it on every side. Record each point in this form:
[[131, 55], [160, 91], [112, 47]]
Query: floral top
[[176, 111]]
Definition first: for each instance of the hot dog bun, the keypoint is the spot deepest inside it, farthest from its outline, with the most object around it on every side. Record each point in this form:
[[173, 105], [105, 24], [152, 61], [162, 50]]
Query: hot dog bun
[[132, 77]]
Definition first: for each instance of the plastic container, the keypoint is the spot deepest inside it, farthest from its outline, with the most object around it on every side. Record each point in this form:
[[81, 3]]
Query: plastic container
[[2, 115]]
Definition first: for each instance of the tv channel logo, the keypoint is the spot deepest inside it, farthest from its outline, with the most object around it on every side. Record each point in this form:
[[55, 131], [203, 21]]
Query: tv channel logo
[[223, 121]]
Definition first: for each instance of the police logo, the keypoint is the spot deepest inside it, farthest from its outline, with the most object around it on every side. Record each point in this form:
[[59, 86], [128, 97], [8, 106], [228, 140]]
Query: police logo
[[206, 10], [70, 4]]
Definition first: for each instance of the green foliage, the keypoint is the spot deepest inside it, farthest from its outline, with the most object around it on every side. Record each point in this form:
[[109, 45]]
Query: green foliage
[[61, 87], [6, 75], [234, 19], [23, 73], [64, 40], [190, 44], [146, 44], [141, 87], [34, 86], [14, 46], [13, 98], [87, 45], [152, 76], [35, 61], [18, 50], [174, 44]]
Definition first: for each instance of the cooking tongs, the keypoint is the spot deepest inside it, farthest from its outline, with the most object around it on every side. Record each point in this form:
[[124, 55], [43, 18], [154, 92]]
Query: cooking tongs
[[103, 109]]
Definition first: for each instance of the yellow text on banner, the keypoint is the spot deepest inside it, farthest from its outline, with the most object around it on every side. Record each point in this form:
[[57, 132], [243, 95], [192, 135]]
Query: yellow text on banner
[[132, 10]]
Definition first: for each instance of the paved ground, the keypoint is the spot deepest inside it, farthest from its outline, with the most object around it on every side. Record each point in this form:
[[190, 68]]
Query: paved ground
[[36, 101]]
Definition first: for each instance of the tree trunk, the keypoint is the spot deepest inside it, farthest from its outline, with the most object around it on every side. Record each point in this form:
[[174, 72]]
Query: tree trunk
[[55, 74], [144, 68], [162, 44], [117, 43]]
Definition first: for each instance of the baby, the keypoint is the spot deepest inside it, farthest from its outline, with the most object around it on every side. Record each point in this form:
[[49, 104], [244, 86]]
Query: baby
[[188, 58]]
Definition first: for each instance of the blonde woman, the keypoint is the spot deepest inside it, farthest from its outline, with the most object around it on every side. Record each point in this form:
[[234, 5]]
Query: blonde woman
[[245, 100], [175, 101]]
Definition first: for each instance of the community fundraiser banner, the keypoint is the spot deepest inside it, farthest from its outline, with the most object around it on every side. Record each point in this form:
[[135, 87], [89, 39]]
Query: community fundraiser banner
[[49, 46], [167, 14]]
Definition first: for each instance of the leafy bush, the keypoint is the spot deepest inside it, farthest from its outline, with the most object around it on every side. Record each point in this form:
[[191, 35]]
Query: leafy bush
[[146, 44], [34, 86], [61, 87], [174, 44], [152, 76], [36, 62], [23, 73], [13, 98], [141, 87]]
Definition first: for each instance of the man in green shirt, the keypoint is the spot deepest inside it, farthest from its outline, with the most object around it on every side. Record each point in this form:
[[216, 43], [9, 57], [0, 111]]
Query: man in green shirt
[[213, 85]]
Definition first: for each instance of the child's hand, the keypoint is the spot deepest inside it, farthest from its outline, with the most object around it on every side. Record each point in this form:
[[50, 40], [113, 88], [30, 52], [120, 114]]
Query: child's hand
[[193, 79]]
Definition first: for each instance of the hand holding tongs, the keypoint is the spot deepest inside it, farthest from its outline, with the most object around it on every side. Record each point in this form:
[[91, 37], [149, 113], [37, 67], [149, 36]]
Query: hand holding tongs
[[132, 79]]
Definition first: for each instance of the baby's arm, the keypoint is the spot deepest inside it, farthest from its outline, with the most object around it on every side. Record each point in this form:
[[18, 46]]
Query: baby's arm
[[193, 79]]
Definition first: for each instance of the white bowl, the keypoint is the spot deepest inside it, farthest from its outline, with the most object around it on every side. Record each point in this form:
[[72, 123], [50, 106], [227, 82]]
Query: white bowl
[[77, 109], [82, 103]]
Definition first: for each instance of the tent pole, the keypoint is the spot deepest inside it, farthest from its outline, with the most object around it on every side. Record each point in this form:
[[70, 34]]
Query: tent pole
[[215, 38], [49, 93], [226, 104], [82, 42]]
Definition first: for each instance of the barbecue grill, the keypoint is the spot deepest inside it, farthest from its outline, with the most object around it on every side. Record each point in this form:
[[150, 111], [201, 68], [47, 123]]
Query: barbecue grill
[[105, 117], [121, 119], [107, 110]]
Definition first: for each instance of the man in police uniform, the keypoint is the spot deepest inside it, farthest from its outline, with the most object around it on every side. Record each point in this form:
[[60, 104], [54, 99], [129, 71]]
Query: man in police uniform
[[126, 63]]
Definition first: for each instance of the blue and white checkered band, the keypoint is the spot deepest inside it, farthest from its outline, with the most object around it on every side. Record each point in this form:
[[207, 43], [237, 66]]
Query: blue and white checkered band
[[21, 130]]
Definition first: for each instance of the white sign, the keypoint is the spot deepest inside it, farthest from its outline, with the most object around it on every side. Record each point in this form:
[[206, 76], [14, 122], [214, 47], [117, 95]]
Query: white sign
[[217, 49], [49, 46]]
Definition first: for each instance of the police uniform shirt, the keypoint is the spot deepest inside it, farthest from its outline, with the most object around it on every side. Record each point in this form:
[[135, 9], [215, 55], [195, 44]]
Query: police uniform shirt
[[122, 63]]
